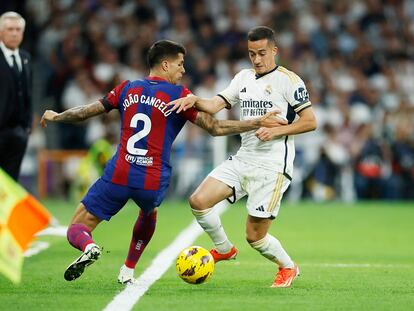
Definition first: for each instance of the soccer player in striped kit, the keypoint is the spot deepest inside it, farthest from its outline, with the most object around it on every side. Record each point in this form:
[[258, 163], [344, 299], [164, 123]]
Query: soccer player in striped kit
[[140, 168]]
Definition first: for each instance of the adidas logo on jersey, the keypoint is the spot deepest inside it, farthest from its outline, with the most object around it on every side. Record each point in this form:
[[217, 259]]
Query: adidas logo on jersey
[[243, 90], [260, 208]]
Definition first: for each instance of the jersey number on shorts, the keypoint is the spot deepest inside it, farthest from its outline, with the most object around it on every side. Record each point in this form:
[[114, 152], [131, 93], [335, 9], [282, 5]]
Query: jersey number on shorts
[[139, 135]]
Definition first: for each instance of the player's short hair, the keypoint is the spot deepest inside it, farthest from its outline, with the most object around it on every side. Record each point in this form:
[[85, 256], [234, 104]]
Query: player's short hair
[[11, 15], [163, 49], [262, 32]]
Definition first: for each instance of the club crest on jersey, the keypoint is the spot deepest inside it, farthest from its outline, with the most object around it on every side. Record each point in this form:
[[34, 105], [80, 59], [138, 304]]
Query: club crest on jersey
[[268, 90]]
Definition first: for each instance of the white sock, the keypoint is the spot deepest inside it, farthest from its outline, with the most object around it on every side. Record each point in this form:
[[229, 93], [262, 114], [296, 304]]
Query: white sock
[[89, 246], [127, 269], [271, 248], [125, 274], [209, 220]]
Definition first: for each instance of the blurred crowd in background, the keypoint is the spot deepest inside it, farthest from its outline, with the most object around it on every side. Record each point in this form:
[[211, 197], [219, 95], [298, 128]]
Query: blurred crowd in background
[[356, 58]]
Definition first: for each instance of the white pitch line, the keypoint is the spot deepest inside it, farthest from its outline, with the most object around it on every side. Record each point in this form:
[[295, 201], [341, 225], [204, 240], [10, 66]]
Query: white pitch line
[[36, 248], [126, 299], [337, 265], [39, 246], [54, 230], [356, 265]]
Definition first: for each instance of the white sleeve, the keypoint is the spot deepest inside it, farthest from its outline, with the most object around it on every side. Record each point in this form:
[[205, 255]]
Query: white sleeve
[[296, 93], [231, 93]]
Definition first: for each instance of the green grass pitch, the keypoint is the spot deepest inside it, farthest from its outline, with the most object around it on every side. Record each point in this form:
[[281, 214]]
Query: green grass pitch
[[351, 257]]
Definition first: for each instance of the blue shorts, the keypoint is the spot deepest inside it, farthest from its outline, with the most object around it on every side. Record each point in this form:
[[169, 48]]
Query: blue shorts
[[104, 199]]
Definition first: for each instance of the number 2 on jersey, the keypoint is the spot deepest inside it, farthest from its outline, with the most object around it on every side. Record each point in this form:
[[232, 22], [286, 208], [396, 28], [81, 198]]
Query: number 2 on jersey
[[139, 135]]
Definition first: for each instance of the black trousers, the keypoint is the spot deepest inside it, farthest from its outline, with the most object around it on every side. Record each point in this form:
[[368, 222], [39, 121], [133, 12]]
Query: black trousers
[[13, 143]]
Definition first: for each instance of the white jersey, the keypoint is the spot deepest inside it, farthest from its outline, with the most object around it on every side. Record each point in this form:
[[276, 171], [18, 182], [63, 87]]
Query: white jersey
[[258, 94]]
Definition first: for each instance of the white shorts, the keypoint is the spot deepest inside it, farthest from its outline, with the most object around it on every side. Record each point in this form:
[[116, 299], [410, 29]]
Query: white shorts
[[263, 187]]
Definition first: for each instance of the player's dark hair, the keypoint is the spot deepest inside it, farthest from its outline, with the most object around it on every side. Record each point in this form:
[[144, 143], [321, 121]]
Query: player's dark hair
[[163, 49], [262, 32]]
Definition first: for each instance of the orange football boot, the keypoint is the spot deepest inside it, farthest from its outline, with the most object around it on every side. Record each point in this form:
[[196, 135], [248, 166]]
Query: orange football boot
[[227, 256], [285, 276]]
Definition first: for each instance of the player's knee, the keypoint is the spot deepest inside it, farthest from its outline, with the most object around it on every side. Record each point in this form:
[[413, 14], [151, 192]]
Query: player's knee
[[197, 201], [85, 218], [254, 236]]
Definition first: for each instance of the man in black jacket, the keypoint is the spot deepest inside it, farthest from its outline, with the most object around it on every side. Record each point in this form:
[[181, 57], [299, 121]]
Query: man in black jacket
[[15, 94]]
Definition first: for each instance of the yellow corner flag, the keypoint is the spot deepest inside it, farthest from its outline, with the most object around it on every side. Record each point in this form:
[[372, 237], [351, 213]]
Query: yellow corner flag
[[21, 216]]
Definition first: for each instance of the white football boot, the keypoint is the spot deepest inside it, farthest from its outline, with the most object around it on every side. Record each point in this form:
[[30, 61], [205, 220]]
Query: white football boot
[[126, 275], [89, 256]]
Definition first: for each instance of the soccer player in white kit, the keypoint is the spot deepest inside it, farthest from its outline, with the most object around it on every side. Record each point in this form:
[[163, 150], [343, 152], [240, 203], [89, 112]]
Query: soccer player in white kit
[[263, 166]]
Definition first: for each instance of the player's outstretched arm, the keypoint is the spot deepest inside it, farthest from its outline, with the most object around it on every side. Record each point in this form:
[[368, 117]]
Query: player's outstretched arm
[[209, 105], [230, 127], [74, 114], [307, 122]]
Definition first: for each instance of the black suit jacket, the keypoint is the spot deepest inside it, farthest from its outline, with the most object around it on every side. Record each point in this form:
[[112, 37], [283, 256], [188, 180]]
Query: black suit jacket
[[12, 112]]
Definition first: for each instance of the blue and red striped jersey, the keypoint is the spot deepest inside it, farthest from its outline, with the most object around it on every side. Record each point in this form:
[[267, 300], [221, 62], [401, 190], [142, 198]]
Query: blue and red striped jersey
[[148, 130]]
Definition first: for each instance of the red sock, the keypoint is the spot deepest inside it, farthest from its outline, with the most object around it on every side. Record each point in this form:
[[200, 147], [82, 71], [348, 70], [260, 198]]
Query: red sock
[[141, 235], [79, 236]]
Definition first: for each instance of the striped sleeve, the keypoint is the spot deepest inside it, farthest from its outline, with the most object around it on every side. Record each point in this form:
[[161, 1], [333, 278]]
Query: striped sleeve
[[111, 100], [189, 114], [185, 92]]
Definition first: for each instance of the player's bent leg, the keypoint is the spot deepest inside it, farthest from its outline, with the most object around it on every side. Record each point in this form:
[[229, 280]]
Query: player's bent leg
[[271, 248], [79, 236], [83, 216], [79, 233], [210, 192]]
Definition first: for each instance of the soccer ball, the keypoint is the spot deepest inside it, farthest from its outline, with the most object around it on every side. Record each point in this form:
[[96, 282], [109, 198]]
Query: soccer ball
[[195, 265]]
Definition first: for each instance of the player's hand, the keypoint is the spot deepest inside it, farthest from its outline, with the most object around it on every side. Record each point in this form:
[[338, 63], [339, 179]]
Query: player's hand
[[182, 104], [48, 115], [266, 134], [271, 119]]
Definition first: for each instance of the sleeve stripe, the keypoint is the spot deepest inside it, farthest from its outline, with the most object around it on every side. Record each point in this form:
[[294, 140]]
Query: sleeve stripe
[[292, 76], [106, 104], [228, 106], [297, 106], [302, 107]]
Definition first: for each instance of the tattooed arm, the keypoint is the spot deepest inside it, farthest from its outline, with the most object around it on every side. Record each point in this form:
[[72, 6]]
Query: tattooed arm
[[230, 127], [75, 114]]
